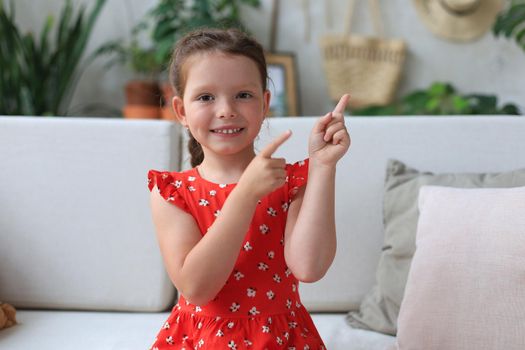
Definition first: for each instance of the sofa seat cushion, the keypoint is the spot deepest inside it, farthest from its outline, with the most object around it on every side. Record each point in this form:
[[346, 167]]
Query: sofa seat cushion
[[80, 330], [338, 335]]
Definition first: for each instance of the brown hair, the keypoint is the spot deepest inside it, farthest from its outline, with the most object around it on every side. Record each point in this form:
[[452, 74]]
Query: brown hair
[[228, 41]]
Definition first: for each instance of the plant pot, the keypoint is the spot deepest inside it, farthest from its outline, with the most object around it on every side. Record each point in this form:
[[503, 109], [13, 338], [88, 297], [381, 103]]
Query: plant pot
[[167, 108], [141, 112], [143, 92]]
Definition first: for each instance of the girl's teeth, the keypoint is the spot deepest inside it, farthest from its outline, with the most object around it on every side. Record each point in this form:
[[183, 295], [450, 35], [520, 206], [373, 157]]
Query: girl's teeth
[[228, 131]]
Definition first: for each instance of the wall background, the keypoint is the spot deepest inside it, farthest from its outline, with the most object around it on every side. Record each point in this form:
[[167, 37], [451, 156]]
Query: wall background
[[488, 65]]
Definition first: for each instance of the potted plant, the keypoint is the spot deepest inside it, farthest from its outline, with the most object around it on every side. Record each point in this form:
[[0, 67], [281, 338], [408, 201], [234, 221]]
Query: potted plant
[[39, 74], [511, 22], [440, 99], [163, 25]]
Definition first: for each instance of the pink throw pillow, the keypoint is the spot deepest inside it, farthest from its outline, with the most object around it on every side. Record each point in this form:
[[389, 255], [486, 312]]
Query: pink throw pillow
[[466, 285]]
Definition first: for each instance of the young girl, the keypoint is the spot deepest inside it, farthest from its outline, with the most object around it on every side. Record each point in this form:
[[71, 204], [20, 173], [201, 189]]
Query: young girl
[[239, 230]]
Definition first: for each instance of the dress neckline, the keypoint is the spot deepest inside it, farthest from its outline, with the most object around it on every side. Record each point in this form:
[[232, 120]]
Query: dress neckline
[[196, 174]]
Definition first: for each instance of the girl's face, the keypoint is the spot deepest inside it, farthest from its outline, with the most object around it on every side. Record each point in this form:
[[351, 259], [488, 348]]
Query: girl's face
[[223, 104]]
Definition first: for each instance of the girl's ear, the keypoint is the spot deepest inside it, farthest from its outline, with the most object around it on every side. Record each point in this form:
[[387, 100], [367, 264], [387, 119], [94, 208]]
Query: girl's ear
[[178, 108], [266, 100]]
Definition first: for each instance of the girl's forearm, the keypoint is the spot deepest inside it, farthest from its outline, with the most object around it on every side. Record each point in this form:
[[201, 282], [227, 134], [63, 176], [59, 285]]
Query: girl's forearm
[[209, 264], [312, 245]]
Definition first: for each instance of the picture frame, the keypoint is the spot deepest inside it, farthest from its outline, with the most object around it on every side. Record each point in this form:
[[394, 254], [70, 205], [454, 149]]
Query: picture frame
[[282, 84]]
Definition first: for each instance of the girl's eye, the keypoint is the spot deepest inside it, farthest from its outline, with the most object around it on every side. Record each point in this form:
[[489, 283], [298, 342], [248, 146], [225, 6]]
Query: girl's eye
[[205, 98], [244, 95]]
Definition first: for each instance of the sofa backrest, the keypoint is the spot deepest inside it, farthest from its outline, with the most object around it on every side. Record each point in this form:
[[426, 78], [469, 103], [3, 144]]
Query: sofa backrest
[[437, 144], [75, 223]]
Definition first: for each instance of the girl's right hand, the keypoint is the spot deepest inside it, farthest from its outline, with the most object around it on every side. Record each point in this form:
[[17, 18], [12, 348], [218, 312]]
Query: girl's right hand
[[265, 174]]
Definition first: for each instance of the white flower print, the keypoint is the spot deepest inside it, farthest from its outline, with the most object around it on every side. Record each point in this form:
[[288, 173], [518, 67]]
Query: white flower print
[[232, 345], [169, 340], [198, 308], [176, 184], [164, 176], [238, 275], [247, 246], [235, 307], [292, 313], [269, 320], [166, 326], [191, 189], [230, 324], [288, 303], [284, 206], [250, 292], [271, 211], [262, 266], [301, 163], [264, 229], [270, 294], [292, 324], [171, 198], [297, 304], [200, 343], [191, 178], [216, 213], [271, 254], [306, 347], [291, 348], [286, 335], [265, 329], [288, 272], [184, 338], [277, 278], [222, 185], [203, 203], [219, 333], [294, 287], [279, 340], [247, 342], [213, 193], [177, 320], [199, 325], [253, 311]]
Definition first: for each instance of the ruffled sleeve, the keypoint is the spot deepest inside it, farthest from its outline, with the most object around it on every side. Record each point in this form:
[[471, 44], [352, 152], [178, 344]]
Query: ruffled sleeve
[[297, 176], [168, 186]]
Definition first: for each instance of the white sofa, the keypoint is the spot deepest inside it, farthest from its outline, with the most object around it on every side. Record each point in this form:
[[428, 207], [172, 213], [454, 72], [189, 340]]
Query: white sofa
[[78, 256]]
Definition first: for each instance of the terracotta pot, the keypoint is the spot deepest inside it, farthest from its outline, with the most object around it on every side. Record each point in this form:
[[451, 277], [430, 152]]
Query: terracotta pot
[[143, 92], [167, 113], [167, 94], [141, 112]]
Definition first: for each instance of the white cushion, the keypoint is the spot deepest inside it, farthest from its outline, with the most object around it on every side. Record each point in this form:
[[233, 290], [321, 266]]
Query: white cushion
[[465, 289], [75, 223]]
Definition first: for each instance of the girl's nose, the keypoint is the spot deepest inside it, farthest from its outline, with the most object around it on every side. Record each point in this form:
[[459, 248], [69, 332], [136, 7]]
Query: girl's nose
[[226, 110]]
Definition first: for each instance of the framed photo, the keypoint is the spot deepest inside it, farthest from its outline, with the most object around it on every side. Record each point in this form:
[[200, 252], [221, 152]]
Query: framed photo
[[282, 84]]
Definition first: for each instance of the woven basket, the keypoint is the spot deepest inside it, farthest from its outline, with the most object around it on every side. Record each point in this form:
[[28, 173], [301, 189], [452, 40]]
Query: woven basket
[[369, 68]]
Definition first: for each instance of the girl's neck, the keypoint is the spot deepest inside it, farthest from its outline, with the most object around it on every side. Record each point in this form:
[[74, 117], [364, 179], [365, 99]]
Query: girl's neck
[[225, 169]]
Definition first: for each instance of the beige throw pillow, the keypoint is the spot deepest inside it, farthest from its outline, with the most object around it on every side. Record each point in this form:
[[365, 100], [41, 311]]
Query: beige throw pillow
[[380, 307], [466, 286]]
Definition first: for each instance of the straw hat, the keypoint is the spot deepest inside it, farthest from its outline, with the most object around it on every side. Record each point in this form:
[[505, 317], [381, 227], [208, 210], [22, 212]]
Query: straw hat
[[458, 20]]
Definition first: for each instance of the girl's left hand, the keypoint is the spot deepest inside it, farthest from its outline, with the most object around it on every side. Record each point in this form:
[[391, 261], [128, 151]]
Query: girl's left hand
[[329, 139]]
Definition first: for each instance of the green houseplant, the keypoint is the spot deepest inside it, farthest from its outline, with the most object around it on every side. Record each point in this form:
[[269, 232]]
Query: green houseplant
[[40, 72], [511, 22], [440, 99], [162, 26]]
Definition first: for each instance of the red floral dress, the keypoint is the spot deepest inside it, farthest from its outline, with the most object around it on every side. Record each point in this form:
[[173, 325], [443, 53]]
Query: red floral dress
[[259, 306]]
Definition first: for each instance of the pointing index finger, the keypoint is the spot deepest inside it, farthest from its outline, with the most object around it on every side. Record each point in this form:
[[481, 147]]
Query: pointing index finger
[[275, 144], [341, 105]]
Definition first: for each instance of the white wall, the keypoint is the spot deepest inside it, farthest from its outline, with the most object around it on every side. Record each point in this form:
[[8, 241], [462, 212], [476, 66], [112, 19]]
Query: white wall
[[488, 65]]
